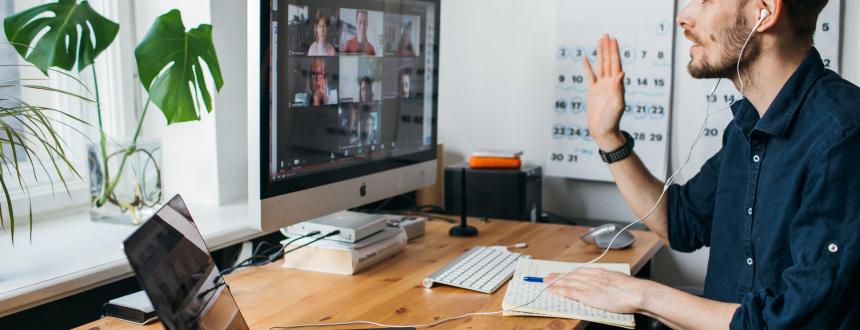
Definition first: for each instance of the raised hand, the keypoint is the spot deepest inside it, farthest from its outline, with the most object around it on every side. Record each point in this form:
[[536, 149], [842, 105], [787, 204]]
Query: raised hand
[[605, 95]]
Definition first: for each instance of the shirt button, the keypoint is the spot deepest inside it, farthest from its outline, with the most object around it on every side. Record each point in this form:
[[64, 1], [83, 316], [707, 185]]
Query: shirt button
[[749, 211], [749, 261], [832, 248], [756, 158]]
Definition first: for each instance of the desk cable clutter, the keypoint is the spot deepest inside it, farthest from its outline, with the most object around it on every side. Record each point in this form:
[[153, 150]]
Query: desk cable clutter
[[666, 186]]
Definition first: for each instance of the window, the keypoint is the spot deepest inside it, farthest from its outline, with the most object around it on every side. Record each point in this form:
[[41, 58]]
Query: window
[[114, 68], [8, 76]]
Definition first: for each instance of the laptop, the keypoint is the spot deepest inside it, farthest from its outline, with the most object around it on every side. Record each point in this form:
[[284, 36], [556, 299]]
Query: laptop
[[173, 266]]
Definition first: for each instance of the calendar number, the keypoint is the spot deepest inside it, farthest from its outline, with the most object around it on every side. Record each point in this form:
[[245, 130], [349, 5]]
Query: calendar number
[[560, 157], [711, 132]]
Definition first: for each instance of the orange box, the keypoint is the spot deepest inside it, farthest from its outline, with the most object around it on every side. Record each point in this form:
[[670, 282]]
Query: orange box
[[494, 162]]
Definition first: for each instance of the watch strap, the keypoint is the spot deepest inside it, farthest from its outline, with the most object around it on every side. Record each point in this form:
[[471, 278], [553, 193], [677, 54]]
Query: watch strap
[[620, 153]]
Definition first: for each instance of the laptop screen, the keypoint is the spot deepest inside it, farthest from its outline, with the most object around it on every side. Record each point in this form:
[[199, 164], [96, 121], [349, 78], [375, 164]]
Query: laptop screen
[[173, 265]]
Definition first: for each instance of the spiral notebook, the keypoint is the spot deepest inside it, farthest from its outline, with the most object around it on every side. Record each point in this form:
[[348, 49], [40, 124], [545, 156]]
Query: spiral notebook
[[520, 292]]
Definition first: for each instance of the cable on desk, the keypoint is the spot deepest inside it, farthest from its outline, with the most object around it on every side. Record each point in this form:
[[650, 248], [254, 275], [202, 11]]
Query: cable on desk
[[260, 257], [429, 325], [280, 253], [335, 232]]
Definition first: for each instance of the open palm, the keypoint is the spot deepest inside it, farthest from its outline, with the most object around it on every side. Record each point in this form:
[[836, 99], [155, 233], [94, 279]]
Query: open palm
[[605, 89]]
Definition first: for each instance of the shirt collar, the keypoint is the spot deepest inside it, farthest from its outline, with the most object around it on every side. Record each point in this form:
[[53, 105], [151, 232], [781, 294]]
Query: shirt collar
[[782, 110]]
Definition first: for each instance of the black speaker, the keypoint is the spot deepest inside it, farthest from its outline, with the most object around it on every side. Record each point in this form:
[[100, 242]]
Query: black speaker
[[501, 194]]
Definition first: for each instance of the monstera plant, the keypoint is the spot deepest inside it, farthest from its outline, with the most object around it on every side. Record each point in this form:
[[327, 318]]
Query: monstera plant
[[68, 35]]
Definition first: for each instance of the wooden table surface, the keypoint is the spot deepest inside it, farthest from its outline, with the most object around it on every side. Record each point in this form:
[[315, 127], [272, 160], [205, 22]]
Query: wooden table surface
[[391, 292]]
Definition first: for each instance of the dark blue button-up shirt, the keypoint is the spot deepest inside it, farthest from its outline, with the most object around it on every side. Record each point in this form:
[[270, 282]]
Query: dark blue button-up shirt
[[779, 205]]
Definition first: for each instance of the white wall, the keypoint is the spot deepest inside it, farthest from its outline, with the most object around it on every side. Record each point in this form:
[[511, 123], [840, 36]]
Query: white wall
[[205, 161], [496, 70], [229, 21], [489, 65]]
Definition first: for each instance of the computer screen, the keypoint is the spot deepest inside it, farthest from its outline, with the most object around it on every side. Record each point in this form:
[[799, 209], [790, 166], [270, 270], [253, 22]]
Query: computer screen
[[351, 89]]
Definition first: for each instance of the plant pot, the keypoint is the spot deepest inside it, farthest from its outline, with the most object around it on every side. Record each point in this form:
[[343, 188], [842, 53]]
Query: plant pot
[[133, 186]]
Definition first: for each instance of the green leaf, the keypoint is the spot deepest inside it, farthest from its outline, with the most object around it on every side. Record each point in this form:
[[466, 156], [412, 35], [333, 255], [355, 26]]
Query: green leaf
[[169, 64], [61, 46]]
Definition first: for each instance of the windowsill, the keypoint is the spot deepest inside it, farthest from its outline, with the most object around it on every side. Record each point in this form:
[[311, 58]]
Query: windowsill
[[71, 254]]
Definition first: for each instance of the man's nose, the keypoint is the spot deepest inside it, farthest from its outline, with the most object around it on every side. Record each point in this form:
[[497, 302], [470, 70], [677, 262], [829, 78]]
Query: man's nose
[[685, 18]]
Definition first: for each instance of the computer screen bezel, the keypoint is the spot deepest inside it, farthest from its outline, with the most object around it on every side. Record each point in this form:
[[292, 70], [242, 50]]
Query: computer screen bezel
[[268, 188]]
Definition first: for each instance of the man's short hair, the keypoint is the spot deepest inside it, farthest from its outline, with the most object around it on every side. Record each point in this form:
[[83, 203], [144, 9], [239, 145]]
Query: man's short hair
[[803, 15]]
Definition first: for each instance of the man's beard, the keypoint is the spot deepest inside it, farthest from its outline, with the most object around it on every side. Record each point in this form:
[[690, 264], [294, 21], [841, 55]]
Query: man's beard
[[731, 41]]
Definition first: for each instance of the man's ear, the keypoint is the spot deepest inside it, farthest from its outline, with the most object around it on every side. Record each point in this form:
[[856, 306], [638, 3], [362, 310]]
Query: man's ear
[[774, 7]]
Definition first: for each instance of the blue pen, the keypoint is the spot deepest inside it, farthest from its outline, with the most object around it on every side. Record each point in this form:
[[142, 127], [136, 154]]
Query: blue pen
[[534, 279]]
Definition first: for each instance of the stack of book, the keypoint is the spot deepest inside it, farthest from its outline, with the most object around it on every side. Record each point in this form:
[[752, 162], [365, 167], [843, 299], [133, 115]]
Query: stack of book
[[495, 159], [336, 257]]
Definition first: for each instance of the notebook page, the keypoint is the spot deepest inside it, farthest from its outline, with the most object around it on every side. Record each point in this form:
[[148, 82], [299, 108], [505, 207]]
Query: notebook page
[[520, 292]]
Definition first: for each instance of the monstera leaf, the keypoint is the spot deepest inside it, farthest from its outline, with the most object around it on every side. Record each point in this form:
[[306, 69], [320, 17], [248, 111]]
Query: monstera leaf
[[169, 62], [62, 45]]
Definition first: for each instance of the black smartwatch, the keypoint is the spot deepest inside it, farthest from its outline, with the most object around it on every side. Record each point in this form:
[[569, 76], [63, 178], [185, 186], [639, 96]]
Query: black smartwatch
[[620, 153]]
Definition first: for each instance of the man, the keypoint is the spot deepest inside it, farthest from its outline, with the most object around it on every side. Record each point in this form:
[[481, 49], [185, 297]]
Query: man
[[354, 124], [359, 43], [365, 89], [405, 85], [778, 204], [369, 129]]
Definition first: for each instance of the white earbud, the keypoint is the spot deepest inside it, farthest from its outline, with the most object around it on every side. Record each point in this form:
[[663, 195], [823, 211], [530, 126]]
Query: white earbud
[[764, 14]]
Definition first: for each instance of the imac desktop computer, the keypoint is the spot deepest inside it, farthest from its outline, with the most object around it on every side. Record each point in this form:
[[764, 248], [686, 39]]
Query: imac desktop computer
[[348, 99]]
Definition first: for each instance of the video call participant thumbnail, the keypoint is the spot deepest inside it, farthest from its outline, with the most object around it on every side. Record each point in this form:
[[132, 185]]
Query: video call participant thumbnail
[[401, 79], [321, 45], [365, 89], [295, 24], [357, 35], [404, 85], [360, 79], [402, 34], [361, 123], [312, 82], [318, 88]]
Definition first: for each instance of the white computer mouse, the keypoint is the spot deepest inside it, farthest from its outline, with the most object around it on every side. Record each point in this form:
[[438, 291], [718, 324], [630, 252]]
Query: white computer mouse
[[602, 235]]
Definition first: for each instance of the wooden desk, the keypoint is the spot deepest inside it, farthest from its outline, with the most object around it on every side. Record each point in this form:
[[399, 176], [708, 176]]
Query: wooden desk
[[391, 292]]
